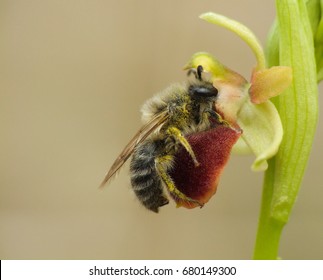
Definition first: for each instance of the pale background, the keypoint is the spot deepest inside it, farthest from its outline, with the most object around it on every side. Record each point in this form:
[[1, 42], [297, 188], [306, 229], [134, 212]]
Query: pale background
[[73, 77]]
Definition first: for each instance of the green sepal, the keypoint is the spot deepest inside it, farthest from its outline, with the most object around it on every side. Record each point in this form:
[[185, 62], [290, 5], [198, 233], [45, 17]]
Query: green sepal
[[242, 31]]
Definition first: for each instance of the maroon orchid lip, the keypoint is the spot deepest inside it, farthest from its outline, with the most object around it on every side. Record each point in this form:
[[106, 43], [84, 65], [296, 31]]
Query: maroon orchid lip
[[212, 149]]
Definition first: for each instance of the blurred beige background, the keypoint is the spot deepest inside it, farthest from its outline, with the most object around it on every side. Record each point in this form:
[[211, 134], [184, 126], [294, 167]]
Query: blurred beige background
[[73, 77]]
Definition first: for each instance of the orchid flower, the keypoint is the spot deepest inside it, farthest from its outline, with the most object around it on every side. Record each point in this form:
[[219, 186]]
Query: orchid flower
[[245, 109], [279, 133], [246, 104]]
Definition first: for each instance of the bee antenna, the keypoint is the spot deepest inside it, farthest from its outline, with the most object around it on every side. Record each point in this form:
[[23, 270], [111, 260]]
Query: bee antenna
[[199, 72], [192, 71]]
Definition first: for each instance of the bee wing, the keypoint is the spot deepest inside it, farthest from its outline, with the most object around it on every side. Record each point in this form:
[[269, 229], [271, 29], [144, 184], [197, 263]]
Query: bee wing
[[151, 126]]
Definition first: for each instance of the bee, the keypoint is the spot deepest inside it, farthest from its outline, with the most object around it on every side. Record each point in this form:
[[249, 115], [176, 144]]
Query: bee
[[169, 117]]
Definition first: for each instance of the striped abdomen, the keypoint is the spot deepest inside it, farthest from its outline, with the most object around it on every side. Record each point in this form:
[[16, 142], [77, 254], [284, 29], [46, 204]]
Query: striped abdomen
[[145, 180]]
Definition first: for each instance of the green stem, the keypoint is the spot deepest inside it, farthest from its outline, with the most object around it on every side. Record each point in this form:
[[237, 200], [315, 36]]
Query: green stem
[[298, 108], [269, 230]]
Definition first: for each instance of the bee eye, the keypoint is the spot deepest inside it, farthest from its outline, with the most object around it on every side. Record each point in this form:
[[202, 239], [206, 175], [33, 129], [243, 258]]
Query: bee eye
[[203, 91]]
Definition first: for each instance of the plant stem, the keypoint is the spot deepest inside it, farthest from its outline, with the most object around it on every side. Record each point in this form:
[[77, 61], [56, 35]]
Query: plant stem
[[298, 108], [269, 230]]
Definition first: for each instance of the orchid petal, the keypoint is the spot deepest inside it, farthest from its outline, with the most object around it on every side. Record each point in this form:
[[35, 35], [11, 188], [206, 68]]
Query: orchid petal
[[262, 131], [270, 82], [241, 148], [212, 149]]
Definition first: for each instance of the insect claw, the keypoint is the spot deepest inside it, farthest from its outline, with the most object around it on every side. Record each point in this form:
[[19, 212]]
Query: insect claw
[[194, 201], [196, 163]]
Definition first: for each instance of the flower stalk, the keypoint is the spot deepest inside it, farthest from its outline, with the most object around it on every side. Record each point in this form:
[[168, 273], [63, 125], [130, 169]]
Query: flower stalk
[[298, 109]]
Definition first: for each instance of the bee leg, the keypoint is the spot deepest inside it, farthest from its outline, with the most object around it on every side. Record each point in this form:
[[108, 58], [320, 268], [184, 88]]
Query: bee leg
[[178, 136], [162, 164], [215, 115]]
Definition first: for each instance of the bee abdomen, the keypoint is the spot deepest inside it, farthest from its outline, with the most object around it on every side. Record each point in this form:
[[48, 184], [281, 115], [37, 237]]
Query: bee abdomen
[[145, 180]]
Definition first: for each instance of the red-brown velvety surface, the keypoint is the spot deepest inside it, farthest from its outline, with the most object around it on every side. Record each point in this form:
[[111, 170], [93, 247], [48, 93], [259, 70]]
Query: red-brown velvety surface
[[212, 149]]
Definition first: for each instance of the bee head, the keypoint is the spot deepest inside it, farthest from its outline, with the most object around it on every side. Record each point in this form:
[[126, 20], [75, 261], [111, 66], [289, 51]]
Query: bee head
[[203, 91]]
